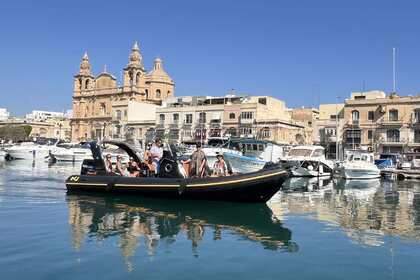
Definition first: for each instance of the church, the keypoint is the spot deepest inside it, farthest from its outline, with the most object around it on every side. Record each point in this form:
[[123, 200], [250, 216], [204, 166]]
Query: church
[[100, 103]]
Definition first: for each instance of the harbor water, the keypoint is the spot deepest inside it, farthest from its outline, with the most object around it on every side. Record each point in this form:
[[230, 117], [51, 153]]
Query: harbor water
[[312, 229]]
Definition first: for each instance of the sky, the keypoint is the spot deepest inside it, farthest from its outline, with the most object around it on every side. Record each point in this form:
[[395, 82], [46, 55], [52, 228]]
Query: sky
[[303, 52]]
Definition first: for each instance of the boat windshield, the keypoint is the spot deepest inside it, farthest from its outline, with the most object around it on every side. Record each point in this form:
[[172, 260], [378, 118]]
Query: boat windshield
[[358, 157], [300, 152]]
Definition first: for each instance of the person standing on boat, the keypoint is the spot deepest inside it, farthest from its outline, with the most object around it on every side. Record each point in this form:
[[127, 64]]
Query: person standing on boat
[[198, 162], [156, 152]]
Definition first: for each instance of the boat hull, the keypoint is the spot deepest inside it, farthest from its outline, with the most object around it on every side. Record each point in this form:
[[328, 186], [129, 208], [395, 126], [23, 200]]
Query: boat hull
[[29, 154], [71, 157], [257, 187], [360, 174], [304, 172], [247, 164]]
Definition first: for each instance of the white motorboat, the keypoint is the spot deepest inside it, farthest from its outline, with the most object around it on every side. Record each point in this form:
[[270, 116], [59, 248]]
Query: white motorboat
[[308, 161], [250, 154], [29, 151], [359, 165], [71, 152]]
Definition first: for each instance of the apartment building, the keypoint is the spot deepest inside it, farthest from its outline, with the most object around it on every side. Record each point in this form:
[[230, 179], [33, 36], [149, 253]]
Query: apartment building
[[381, 123], [198, 118]]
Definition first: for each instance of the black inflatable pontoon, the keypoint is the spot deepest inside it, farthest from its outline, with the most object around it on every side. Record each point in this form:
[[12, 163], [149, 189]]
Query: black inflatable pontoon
[[258, 186]]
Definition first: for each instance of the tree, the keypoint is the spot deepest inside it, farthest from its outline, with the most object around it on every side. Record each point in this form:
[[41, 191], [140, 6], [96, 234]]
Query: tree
[[15, 133]]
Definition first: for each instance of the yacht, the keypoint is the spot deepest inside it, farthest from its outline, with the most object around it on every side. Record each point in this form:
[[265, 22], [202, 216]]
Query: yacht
[[29, 151], [71, 152], [359, 165], [308, 161]]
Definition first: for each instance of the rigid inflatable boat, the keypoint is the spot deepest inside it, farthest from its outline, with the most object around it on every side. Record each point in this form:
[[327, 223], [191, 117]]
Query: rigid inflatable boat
[[257, 186]]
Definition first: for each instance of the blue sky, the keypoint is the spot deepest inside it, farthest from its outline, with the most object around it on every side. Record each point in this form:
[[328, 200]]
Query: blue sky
[[303, 52]]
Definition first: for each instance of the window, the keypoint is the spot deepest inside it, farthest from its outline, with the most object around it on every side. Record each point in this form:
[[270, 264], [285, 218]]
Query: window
[[393, 115], [161, 118], [176, 118], [87, 84], [353, 136], [417, 115], [158, 94], [102, 109], [360, 97], [245, 130], [371, 115], [265, 132], [355, 116], [118, 115], [231, 116], [146, 92], [231, 131], [318, 153], [125, 113], [202, 117], [393, 135], [246, 115], [262, 101], [188, 118], [333, 117], [370, 134]]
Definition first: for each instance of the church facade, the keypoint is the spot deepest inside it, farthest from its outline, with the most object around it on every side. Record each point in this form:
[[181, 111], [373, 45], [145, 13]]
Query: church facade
[[99, 101]]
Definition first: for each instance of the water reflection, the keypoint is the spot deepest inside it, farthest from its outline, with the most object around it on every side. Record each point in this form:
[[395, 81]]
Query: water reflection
[[366, 210], [154, 222]]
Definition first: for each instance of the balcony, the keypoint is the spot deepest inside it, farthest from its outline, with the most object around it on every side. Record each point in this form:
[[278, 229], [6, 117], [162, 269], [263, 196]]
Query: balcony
[[390, 122], [247, 121], [174, 125]]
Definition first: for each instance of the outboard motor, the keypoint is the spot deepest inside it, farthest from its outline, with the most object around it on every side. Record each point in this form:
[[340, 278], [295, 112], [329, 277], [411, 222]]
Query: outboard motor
[[95, 166], [168, 166], [91, 167]]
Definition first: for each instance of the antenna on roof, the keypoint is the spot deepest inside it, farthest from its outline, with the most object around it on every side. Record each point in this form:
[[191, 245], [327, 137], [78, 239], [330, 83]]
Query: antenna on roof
[[394, 79]]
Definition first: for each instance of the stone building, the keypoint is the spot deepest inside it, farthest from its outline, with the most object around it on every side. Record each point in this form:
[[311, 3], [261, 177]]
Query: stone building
[[198, 118], [94, 97], [331, 117], [381, 123], [308, 118]]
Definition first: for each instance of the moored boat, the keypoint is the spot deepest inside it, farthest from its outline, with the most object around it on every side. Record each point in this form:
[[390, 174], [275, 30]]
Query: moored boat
[[257, 186], [359, 165], [308, 161], [29, 151]]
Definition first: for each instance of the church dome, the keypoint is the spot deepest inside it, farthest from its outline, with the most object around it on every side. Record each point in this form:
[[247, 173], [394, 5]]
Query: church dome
[[158, 74]]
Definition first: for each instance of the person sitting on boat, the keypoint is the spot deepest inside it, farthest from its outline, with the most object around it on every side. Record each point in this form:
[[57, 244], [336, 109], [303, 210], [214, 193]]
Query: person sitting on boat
[[133, 168], [156, 152], [219, 167], [119, 167], [198, 163], [108, 163]]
